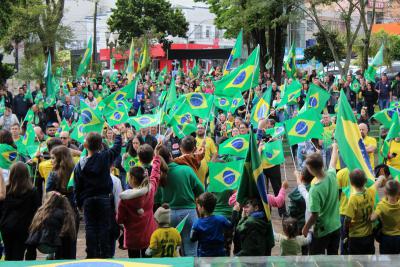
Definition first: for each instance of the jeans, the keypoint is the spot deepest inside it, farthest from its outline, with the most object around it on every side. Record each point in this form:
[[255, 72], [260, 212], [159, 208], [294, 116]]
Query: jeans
[[189, 248], [326, 155], [328, 243], [97, 216], [300, 155], [383, 103], [290, 110], [362, 245], [343, 246], [389, 244]]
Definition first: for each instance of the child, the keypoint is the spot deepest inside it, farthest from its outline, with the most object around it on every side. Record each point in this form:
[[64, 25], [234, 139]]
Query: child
[[189, 155], [388, 212], [138, 226], [255, 231], [358, 212], [291, 243], [93, 188], [53, 227], [208, 230], [164, 241]]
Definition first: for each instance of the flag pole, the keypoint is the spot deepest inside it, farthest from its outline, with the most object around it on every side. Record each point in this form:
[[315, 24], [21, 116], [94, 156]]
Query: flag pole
[[294, 163], [256, 61], [208, 119]]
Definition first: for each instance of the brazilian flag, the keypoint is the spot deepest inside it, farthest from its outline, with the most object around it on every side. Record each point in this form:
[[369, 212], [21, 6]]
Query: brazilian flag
[[395, 173], [144, 121], [261, 109], [291, 92], [198, 104], [225, 175], [242, 78], [183, 124], [348, 137], [235, 146], [394, 132], [236, 52], [385, 116], [78, 133], [83, 66], [118, 115], [8, 155], [272, 154], [370, 73], [316, 98], [289, 63], [29, 115], [277, 131], [64, 127], [303, 127], [127, 92], [355, 86], [91, 119]]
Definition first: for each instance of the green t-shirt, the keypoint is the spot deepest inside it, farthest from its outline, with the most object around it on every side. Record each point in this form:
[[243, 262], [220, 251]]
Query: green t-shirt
[[324, 199], [222, 207]]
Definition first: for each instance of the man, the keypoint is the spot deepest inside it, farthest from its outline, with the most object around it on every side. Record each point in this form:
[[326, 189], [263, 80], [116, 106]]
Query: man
[[396, 88], [370, 143], [51, 130], [8, 119], [66, 140], [327, 137], [68, 109], [146, 138], [20, 104], [384, 92], [39, 117], [211, 151]]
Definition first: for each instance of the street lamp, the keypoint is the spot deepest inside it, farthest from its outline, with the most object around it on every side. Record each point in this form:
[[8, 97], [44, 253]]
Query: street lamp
[[111, 44]]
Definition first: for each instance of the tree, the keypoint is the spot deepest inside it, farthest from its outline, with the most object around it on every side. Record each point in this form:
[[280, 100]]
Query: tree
[[6, 71], [134, 18], [263, 22], [347, 11], [321, 50], [366, 40]]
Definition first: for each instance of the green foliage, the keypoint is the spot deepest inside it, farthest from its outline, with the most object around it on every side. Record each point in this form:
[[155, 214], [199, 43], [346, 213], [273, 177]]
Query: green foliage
[[6, 71], [321, 50], [31, 69], [134, 18]]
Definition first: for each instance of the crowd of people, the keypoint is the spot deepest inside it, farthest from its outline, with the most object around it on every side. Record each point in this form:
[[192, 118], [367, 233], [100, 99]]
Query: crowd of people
[[133, 187]]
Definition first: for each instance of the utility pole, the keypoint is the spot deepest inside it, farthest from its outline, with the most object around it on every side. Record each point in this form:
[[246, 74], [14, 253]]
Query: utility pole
[[94, 54]]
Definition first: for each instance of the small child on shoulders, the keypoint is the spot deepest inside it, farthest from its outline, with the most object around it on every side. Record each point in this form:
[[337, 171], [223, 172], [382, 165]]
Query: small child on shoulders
[[164, 241], [208, 230]]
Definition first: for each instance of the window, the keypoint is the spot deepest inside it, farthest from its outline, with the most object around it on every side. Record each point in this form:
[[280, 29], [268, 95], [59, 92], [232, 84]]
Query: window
[[310, 25], [198, 29], [208, 30]]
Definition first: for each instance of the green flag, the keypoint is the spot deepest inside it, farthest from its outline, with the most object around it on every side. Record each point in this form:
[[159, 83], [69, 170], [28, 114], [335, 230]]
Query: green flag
[[29, 116], [225, 175], [161, 75], [28, 94], [289, 63], [117, 116], [144, 121], [291, 92], [144, 59], [198, 104], [125, 93], [261, 109], [348, 137], [277, 131], [235, 146], [303, 127], [78, 133], [272, 154], [316, 98], [83, 66], [130, 69], [92, 120], [385, 116], [355, 86], [181, 225], [2, 106], [395, 173], [48, 77], [393, 133], [64, 127], [242, 78], [8, 155], [236, 52], [370, 73]]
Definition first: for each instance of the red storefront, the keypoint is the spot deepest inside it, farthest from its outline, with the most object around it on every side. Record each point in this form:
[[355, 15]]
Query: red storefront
[[157, 54]]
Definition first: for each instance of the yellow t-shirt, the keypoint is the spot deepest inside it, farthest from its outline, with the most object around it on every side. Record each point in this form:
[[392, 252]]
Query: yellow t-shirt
[[343, 181], [370, 141], [359, 209], [210, 150], [164, 242], [45, 168], [394, 148], [390, 217]]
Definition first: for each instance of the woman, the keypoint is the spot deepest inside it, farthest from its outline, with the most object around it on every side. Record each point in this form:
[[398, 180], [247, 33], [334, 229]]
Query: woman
[[6, 138], [19, 205], [58, 180], [130, 158], [370, 98], [278, 111]]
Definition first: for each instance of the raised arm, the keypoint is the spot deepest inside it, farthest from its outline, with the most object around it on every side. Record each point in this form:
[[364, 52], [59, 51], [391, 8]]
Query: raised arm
[[334, 157], [155, 174]]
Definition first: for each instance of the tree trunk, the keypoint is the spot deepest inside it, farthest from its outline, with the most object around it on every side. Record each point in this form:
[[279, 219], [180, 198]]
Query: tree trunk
[[263, 48], [271, 47], [280, 40]]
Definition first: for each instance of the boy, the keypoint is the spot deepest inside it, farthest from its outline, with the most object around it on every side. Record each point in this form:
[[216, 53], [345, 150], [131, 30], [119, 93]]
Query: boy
[[388, 211], [189, 155], [145, 155], [164, 241], [358, 212], [324, 205], [253, 230], [93, 189], [209, 228]]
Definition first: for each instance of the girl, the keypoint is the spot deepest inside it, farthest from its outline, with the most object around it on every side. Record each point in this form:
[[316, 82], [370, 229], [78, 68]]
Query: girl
[[130, 158], [290, 242], [135, 210], [53, 227], [19, 204]]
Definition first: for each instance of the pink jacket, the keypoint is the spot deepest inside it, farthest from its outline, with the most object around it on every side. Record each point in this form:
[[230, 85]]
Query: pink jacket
[[273, 201], [139, 227]]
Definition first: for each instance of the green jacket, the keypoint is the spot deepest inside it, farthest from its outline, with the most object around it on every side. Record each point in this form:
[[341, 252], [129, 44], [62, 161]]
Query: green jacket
[[256, 235], [297, 206], [182, 187]]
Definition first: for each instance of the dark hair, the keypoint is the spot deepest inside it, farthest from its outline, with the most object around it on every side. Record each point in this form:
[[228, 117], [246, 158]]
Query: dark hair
[[19, 179], [392, 188], [138, 174], [188, 144], [289, 226], [358, 178], [165, 206], [255, 202], [53, 142], [63, 166], [207, 201], [315, 164], [131, 151], [165, 154], [145, 153], [6, 138], [306, 175], [94, 142]]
